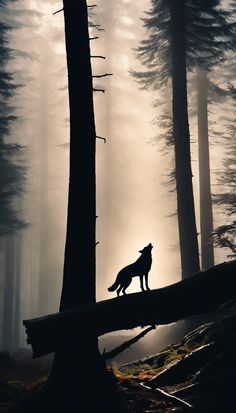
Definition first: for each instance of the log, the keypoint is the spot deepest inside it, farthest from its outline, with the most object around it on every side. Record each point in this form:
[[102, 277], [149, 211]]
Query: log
[[200, 293], [170, 398], [223, 362], [180, 370], [217, 386]]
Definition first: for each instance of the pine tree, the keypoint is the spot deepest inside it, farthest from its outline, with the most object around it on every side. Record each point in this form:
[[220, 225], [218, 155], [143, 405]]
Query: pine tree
[[206, 35]]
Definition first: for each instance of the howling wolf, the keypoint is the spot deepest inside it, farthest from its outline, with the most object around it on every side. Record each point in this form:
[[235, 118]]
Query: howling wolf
[[139, 268]]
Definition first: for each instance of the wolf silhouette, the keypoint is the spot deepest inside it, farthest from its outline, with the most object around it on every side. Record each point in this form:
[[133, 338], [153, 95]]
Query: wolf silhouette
[[139, 268]]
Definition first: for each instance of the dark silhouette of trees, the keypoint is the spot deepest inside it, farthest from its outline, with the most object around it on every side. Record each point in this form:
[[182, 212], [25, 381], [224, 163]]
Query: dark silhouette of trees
[[211, 35], [205, 35], [224, 235], [11, 187], [164, 53], [79, 289], [69, 371]]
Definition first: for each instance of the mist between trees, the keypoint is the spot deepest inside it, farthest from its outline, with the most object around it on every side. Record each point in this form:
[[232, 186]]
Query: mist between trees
[[135, 171]]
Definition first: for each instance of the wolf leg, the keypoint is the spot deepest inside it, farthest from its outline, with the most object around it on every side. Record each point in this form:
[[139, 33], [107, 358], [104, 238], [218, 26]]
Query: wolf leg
[[126, 284], [141, 282], [146, 281], [119, 290]]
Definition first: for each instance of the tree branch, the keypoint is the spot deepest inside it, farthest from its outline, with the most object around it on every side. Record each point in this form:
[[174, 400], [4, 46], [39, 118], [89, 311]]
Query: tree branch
[[94, 38], [100, 137], [98, 90], [103, 75], [97, 27], [98, 57], [170, 398], [126, 344], [58, 11], [200, 293]]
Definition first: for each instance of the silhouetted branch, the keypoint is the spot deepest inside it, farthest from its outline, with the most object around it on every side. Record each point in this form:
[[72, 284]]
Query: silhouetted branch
[[103, 75], [98, 90], [100, 137], [58, 11], [170, 398], [96, 243], [92, 6], [126, 344], [97, 27], [94, 38], [200, 293], [97, 57], [215, 385]]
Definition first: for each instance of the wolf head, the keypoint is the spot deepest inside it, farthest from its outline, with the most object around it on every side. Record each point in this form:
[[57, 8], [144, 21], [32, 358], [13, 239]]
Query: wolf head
[[146, 249]]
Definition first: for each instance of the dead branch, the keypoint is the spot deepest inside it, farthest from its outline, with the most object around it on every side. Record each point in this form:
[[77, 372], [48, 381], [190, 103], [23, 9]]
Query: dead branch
[[97, 27], [58, 11], [92, 6], [170, 398], [98, 90], [103, 75], [200, 293], [100, 137], [94, 38], [214, 385], [97, 57], [119, 349]]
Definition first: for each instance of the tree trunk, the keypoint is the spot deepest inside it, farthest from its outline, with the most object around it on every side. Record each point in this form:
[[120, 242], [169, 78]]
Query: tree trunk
[[201, 293], [17, 296], [9, 289], [206, 215], [185, 200], [79, 266], [44, 290], [78, 365]]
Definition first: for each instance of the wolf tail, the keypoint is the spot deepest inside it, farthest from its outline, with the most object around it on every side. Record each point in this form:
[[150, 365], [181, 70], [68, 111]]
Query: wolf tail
[[114, 286]]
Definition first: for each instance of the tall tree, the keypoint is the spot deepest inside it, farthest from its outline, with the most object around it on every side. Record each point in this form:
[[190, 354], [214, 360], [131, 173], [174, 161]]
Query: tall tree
[[185, 201], [212, 35], [205, 35], [224, 235], [206, 212], [167, 41], [11, 183], [70, 373]]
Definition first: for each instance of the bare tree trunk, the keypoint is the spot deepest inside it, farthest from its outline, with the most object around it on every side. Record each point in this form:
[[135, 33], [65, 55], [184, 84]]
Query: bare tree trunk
[[185, 200], [9, 289], [71, 373], [206, 214], [17, 306], [44, 290]]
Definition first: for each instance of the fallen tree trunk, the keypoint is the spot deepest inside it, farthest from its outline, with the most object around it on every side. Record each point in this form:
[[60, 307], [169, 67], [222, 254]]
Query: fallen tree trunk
[[182, 369], [200, 293]]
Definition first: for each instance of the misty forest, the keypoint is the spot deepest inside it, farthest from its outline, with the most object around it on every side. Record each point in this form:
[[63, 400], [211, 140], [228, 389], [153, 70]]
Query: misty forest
[[117, 206]]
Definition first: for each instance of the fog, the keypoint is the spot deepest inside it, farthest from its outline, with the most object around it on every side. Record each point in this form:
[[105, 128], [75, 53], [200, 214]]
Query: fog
[[134, 202]]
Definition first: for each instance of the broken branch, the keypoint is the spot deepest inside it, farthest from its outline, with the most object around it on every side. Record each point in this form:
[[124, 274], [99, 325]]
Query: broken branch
[[103, 75], [126, 344], [99, 90], [58, 11], [97, 57], [100, 137]]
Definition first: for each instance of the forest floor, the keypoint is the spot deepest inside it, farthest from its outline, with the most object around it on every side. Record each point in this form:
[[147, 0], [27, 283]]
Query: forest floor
[[204, 363]]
